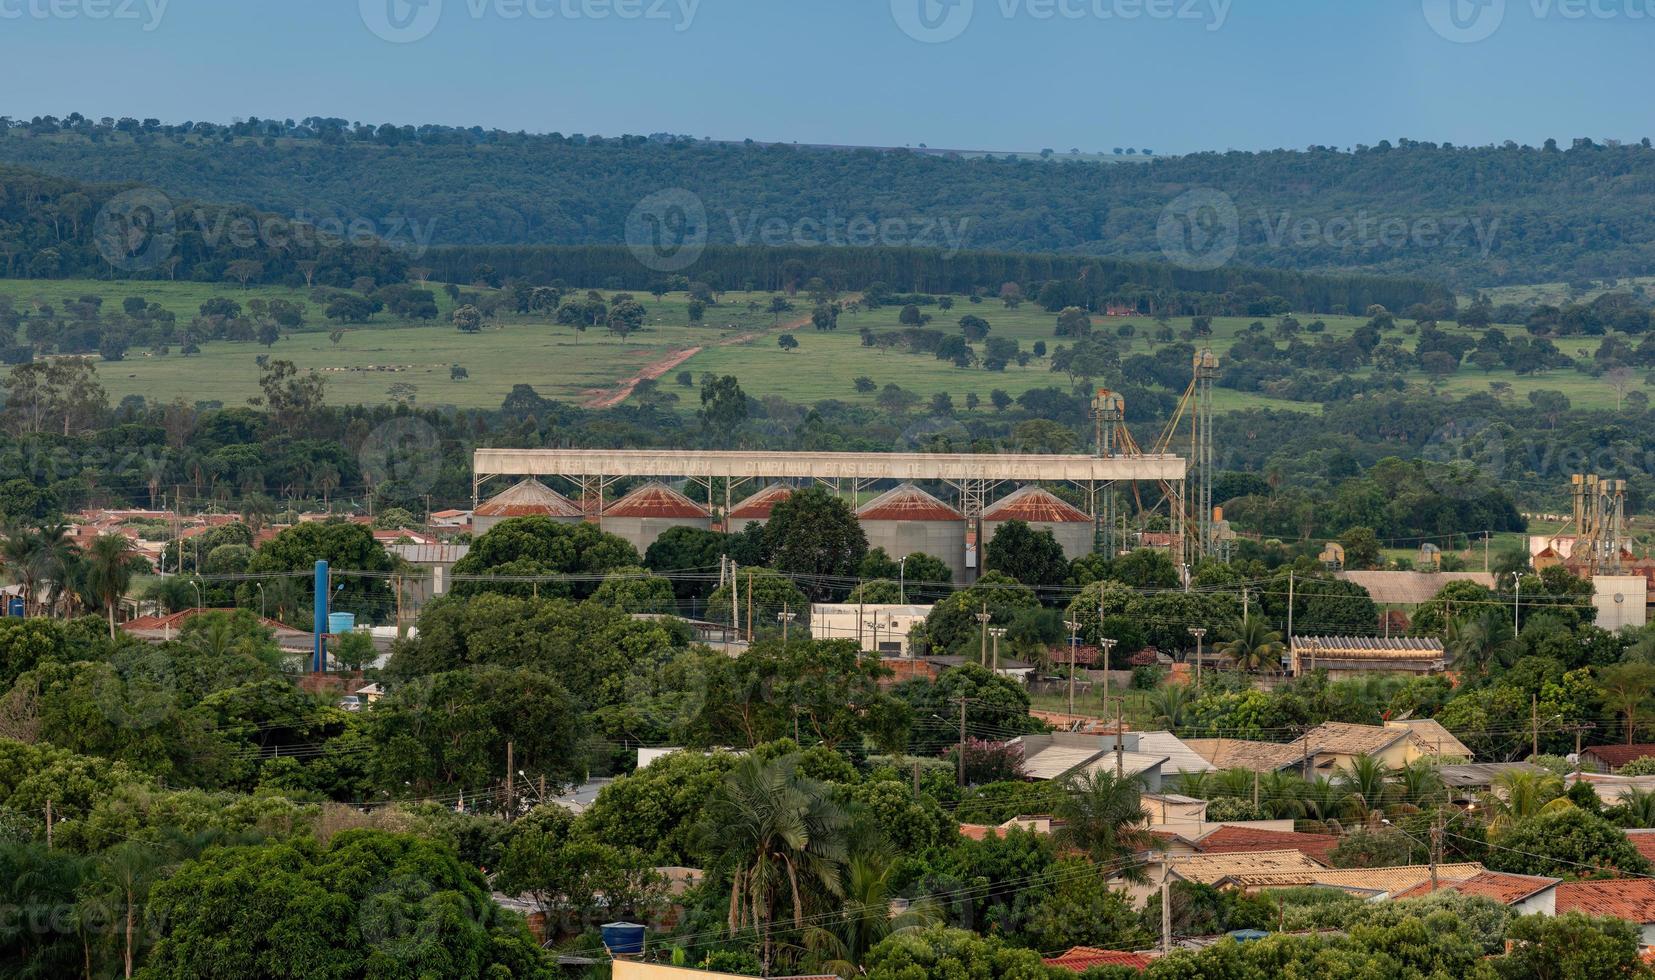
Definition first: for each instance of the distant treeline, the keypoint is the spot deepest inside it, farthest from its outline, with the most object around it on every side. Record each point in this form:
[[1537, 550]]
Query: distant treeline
[[1146, 288], [1474, 216]]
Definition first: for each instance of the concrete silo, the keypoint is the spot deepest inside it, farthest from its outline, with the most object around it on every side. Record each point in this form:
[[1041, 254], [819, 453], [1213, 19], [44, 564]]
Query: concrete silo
[[531, 498], [908, 519], [649, 511], [756, 509], [1043, 511]]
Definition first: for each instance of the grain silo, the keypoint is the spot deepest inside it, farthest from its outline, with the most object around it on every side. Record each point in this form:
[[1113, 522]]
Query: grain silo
[[908, 519], [1043, 511], [756, 509], [531, 498], [649, 511]]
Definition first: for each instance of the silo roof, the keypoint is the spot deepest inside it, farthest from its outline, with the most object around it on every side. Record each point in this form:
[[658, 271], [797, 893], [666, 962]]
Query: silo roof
[[655, 500], [759, 505], [531, 498], [908, 503], [1036, 506]]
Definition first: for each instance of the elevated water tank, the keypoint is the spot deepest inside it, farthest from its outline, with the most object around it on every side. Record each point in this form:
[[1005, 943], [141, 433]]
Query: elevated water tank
[[340, 623], [623, 938]]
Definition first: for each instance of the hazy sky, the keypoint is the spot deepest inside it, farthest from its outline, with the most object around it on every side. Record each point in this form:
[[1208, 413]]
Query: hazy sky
[[1172, 75]]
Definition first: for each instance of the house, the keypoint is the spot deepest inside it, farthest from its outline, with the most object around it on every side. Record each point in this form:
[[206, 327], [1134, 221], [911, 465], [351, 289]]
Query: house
[[877, 628], [1172, 812], [1181, 758], [1335, 745], [1035, 824], [1632, 899], [435, 563], [1610, 758], [1611, 789], [1237, 753], [1061, 754], [1467, 780], [160, 629], [1352, 656], [1083, 958], [1210, 869], [1429, 732], [1016, 670], [1366, 882], [1523, 894], [1234, 839], [1410, 588], [621, 968], [1643, 839]]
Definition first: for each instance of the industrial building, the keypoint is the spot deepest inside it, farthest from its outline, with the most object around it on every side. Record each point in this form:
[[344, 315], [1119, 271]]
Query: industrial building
[[649, 512], [1043, 511], [878, 628], [757, 508], [530, 498], [907, 519]]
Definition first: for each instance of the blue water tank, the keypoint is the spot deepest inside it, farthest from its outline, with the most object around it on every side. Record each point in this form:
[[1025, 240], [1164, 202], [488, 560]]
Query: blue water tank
[[624, 938], [14, 607], [341, 623]]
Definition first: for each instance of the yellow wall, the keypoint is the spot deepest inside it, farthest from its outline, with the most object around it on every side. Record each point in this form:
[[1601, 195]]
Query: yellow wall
[[626, 970]]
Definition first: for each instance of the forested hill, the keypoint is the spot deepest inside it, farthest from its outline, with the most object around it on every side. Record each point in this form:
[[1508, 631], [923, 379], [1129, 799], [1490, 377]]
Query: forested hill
[[1471, 216]]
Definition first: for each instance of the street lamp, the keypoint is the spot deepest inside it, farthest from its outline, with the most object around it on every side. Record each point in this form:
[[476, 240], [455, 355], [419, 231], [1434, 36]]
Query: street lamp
[[1198, 632], [1074, 639], [785, 617], [1108, 646], [982, 619], [200, 603], [902, 580], [997, 632], [260, 587]]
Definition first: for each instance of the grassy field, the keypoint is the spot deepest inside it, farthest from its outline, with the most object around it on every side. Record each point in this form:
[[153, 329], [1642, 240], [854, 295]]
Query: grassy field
[[734, 339], [1559, 293]]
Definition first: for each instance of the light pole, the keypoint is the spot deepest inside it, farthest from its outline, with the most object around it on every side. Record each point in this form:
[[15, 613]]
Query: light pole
[[1074, 639], [1108, 646], [200, 603], [260, 587], [902, 580], [785, 617], [1198, 632], [997, 632], [982, 619]]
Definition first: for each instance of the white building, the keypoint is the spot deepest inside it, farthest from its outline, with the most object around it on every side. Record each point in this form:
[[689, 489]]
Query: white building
[[877, 628]]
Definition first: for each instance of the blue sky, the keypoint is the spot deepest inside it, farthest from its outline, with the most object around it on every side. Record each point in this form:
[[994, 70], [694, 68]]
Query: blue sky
[[1173, 75]]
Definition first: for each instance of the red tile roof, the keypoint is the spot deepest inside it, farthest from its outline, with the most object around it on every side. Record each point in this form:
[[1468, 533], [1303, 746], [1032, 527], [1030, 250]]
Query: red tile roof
[[1036, 506], [1238, 840], [759, 505], [1632, 899], [908, 503], [655, 500], [531, 498], [1507, 889], [978, 831], [1082, 958], [1644, 841], [1616, 756]]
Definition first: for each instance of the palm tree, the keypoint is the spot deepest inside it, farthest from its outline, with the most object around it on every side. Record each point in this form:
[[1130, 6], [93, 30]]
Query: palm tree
[[1367, 785], [122, 877], [1104, 816], [1517, 795], [1170, 703], [1626, 691], [840, 944], [1417, 784], [108, 572], [1324, 800], [771, 830], [1480, 641], [1636, 808], [1255, 648], [1282, 795], [18, 552], [54, 556]]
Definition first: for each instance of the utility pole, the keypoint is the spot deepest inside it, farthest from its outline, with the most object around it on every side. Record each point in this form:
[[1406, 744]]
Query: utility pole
[[735, 599], [1289, 607], [1198, 632], [1166, 905], [1485, 551], [1436, 847], [961, 777], [997, 632], [749, 605], [1255, 789], [982, 619], [48, 823], [1534, 722], [1120, 740], [1108, 647], [511, 800], [1074, 638]]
